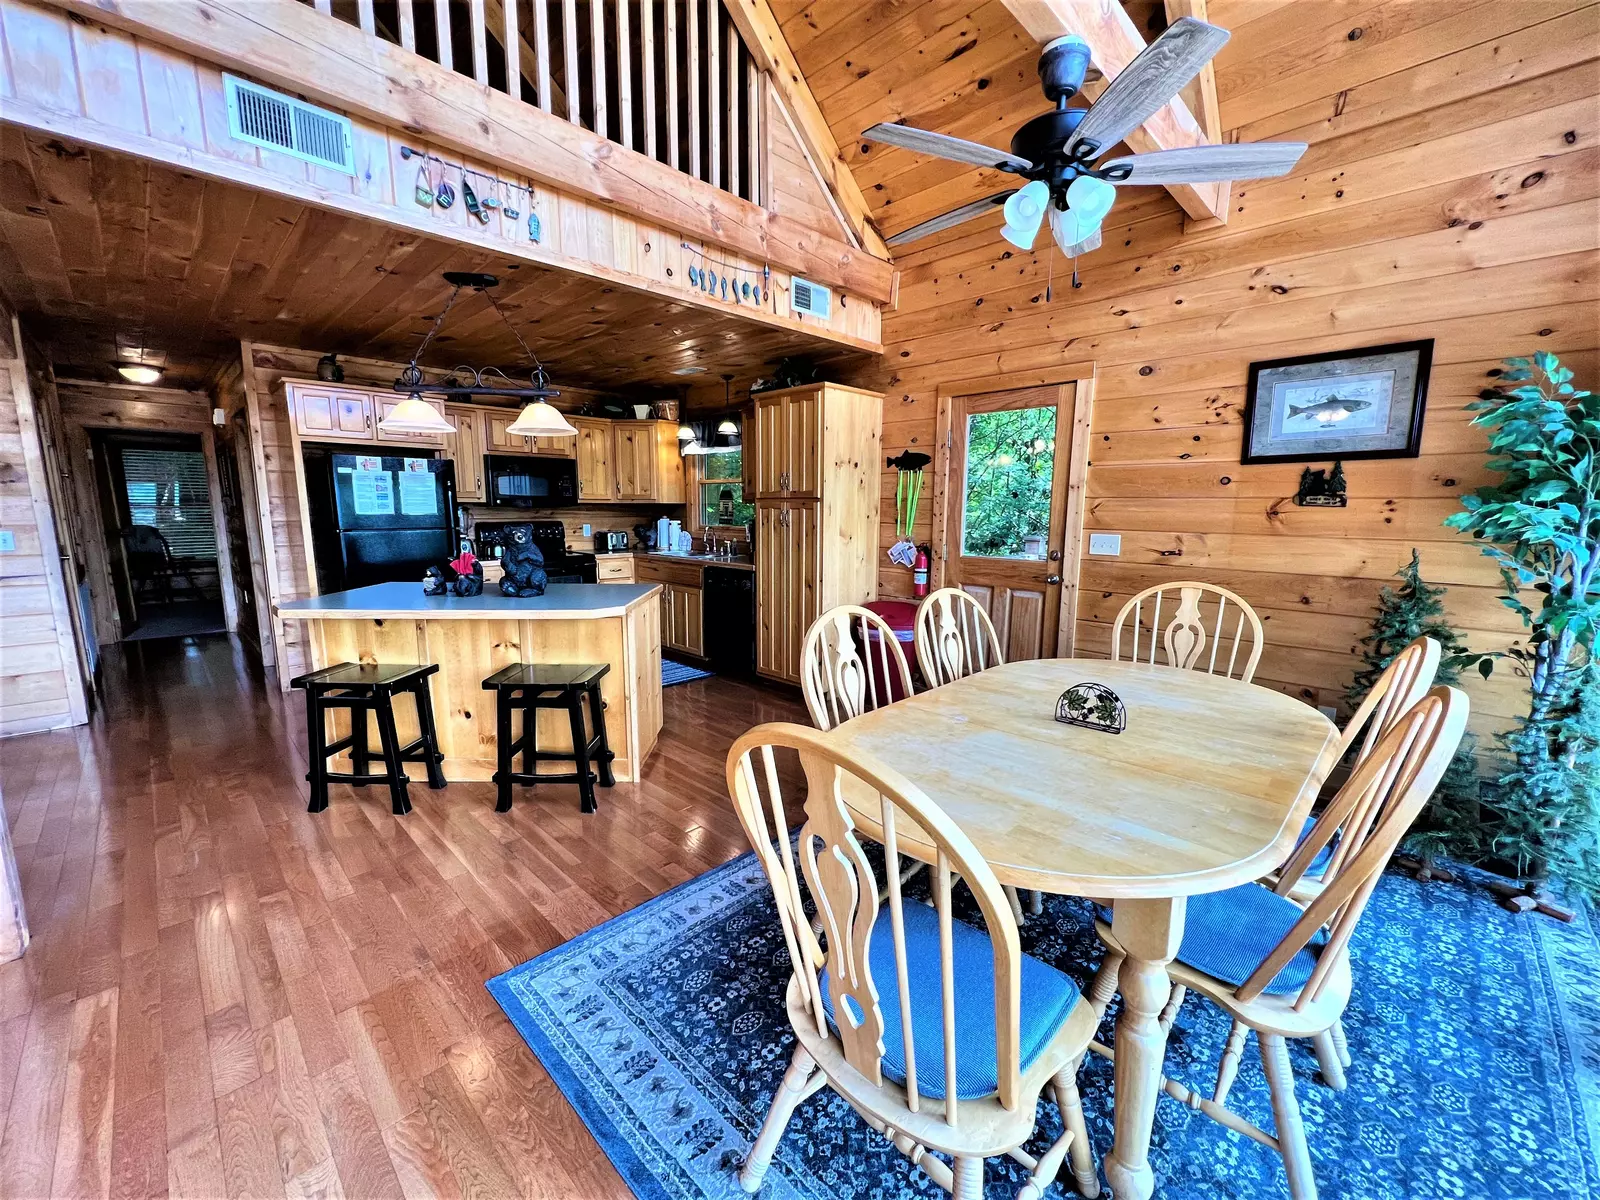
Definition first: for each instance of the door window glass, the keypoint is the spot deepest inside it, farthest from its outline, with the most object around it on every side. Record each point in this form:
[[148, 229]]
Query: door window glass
[[1010, 462]]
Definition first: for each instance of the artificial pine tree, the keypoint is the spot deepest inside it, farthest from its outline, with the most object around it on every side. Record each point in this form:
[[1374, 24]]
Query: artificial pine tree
[[1452, 823]]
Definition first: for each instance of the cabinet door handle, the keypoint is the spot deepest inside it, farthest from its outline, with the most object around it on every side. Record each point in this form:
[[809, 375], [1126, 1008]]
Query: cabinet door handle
[[1052, 579]]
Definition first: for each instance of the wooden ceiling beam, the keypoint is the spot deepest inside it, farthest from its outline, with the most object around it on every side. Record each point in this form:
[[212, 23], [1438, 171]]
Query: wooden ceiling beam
[[289, 45], [1114, 42], [763, 36]]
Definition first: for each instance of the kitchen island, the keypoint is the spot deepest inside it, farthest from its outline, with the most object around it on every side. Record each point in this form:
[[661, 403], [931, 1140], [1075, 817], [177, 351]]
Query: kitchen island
[[473, 637]]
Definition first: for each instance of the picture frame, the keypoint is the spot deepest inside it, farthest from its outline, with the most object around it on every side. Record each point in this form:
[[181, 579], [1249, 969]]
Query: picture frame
[[1348, 404]]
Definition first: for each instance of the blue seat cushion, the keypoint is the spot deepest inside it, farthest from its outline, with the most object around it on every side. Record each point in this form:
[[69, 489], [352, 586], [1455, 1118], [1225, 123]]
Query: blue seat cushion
[[1319, 864], [1048, 997], [1229, 934]]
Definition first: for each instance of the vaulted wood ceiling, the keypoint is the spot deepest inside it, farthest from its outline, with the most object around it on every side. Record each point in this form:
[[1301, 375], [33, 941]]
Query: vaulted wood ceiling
[[100, 252]]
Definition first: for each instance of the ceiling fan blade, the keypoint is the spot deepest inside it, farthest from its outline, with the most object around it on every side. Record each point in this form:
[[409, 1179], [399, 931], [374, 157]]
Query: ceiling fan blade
[[942, 145], [949, 220], [1205, 164], [1149, 81]]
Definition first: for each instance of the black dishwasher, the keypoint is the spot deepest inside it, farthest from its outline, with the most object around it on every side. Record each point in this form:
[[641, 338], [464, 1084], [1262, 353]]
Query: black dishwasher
[[730, 620]]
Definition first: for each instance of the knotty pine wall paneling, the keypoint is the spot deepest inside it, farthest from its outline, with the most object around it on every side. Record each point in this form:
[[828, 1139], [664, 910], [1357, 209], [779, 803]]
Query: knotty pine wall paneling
[[1449, 192]]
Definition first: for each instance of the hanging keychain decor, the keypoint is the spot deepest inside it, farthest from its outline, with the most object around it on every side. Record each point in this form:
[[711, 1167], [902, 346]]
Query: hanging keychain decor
[[907, 493], [446, 195], [470, 199], [424, 193]]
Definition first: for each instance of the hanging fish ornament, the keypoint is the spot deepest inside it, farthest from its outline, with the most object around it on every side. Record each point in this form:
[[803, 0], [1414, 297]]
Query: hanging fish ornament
[[534, 228], [424, 193], [724, 287], [446, 195], [747, 289], [712, 286], [470, 199]]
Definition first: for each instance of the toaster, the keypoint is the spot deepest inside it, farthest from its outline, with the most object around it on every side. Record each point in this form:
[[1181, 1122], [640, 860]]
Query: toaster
[[609, 540]]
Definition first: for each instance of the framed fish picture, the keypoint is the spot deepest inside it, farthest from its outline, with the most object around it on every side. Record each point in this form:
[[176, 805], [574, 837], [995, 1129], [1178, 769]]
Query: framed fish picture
[[1363, 403]]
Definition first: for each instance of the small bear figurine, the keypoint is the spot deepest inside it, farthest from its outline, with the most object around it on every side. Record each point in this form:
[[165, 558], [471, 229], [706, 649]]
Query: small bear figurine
[[433, 583], [523, 563], [469, 575]]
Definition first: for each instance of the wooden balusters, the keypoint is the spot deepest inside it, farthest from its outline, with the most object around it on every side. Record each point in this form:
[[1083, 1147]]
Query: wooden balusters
[[674, 153], [369, 24], [480, 42], [752, 99], [713, 101], [441, 25], [513, 48], [624, 76], [733, 110], [647, 67], [692, 11], [541, 40], [597, 59], [408, 25]]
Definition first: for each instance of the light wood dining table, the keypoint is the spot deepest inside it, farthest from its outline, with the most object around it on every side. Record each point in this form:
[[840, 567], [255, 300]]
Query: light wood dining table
[[1206, 788]]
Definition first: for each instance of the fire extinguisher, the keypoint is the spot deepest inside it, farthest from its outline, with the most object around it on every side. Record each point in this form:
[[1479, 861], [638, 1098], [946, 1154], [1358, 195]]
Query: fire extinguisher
[[919, 573]]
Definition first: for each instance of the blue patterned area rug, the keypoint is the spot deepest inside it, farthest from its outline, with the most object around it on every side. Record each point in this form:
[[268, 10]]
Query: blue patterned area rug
[[677, 672], [1476, 1038]]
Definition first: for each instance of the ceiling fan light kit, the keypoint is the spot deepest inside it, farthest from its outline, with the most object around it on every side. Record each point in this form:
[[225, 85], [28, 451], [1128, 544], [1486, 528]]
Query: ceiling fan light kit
[[1059, 151]]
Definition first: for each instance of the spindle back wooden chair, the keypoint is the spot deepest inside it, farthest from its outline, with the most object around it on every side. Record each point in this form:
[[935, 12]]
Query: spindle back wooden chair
[[954, 637], [842, 674], [1184, 638], [1283, 970], [942, 1036]]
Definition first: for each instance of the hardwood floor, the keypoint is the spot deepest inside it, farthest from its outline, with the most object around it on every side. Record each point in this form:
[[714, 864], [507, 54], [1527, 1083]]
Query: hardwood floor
[[227, 996]]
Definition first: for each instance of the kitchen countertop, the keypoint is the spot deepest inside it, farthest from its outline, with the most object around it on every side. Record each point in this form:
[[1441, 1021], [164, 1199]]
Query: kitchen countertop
[[702, 560], [561, 602]]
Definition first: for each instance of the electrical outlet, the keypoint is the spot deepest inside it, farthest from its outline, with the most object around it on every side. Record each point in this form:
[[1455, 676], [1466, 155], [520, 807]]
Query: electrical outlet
[[1328, 711], [8, 542], [588, 530], [1105, 543]]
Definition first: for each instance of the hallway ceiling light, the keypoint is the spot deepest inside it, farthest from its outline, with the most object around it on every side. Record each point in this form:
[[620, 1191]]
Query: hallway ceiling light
[[134, 373], [538, 417], [415, 415]]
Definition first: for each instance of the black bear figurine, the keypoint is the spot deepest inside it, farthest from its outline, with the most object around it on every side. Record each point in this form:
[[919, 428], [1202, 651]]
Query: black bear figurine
[[523, 562], [470, 585], [433, 583]]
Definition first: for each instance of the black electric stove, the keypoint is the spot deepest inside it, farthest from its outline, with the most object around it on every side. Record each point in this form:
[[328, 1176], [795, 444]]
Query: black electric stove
[[560, 564]]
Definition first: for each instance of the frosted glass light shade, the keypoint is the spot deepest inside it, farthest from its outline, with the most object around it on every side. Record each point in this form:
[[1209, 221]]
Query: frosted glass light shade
[[1024, 212], [415, 415], [541, 419]]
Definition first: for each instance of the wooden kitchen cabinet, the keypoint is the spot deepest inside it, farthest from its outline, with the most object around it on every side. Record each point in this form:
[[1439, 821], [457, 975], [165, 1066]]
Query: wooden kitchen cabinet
[[498, 440], [613, 568], [384, 405], [688, 629], [817, 452], [324, 414], [789, 442], [646, 464], [595, 478], [788, 567], [682, 622], [464, 447]]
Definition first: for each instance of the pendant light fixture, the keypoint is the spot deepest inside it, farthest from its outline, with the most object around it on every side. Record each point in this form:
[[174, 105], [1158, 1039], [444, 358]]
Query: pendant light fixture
[[538, 418], [727, 429]]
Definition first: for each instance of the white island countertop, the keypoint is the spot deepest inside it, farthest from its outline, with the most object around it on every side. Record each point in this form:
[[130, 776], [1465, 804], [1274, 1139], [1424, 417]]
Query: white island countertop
[[385, 601]]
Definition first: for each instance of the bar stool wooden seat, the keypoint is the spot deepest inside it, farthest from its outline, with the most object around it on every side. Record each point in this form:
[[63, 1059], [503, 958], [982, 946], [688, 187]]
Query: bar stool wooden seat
[[528, 687], [369, 688]]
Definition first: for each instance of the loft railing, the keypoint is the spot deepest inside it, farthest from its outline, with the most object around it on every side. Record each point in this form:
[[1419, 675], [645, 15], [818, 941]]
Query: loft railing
[[668, 78]]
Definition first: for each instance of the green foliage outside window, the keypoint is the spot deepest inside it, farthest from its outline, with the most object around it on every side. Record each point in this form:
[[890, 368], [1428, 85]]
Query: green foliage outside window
[[1010, 469], [719, 474]]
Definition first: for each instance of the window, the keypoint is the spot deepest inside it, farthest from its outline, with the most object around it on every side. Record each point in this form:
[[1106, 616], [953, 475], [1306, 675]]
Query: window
[[722, 499], [167, 489], [1010, 472]]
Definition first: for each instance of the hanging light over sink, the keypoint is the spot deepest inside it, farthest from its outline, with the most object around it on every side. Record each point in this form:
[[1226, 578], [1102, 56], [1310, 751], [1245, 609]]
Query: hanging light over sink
[[415, 415]]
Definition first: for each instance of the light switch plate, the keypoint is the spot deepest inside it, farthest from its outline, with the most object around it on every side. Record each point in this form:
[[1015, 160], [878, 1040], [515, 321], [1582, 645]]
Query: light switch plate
[[1328, 711], [588, 530], [1105, 543], [8, 542]]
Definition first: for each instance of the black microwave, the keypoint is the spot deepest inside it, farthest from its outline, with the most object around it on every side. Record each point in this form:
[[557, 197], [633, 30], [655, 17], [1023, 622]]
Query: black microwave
[[518, 481]]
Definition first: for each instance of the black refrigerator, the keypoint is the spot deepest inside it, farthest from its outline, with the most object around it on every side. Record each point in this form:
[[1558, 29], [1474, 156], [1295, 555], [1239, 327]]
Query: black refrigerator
[[379, 518]]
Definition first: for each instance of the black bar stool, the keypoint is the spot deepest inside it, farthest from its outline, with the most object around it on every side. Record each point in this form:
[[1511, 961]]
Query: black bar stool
[[529, 687], [364, 688]]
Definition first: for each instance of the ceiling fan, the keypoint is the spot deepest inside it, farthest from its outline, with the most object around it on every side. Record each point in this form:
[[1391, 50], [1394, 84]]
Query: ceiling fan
[[1056, 150]]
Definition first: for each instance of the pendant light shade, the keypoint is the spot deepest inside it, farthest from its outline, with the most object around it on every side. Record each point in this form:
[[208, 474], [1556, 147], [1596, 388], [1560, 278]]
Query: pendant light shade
[[686, 432], [541, 419], [728, 426], [415, 415]]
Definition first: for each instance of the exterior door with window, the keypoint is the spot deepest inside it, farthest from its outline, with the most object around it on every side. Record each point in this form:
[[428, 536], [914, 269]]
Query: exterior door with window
[[1006, 492]]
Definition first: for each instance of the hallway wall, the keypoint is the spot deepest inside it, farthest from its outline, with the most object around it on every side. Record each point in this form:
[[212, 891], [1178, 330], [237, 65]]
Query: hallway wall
[[1449, 192], [41, 686]]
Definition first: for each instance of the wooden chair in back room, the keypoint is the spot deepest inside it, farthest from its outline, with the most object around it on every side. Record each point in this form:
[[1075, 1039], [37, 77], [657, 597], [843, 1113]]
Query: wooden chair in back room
[[1184, 638], [941, 1035], [1284, 971]]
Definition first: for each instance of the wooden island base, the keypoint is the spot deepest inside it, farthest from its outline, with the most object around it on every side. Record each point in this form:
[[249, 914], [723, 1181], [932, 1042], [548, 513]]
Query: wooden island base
[[471, 639]]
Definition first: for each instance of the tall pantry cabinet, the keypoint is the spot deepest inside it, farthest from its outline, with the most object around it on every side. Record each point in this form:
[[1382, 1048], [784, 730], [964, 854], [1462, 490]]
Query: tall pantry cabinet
[[814, 472]]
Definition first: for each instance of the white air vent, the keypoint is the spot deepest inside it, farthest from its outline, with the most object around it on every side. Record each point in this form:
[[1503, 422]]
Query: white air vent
[[811, 298], [289, 126]]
